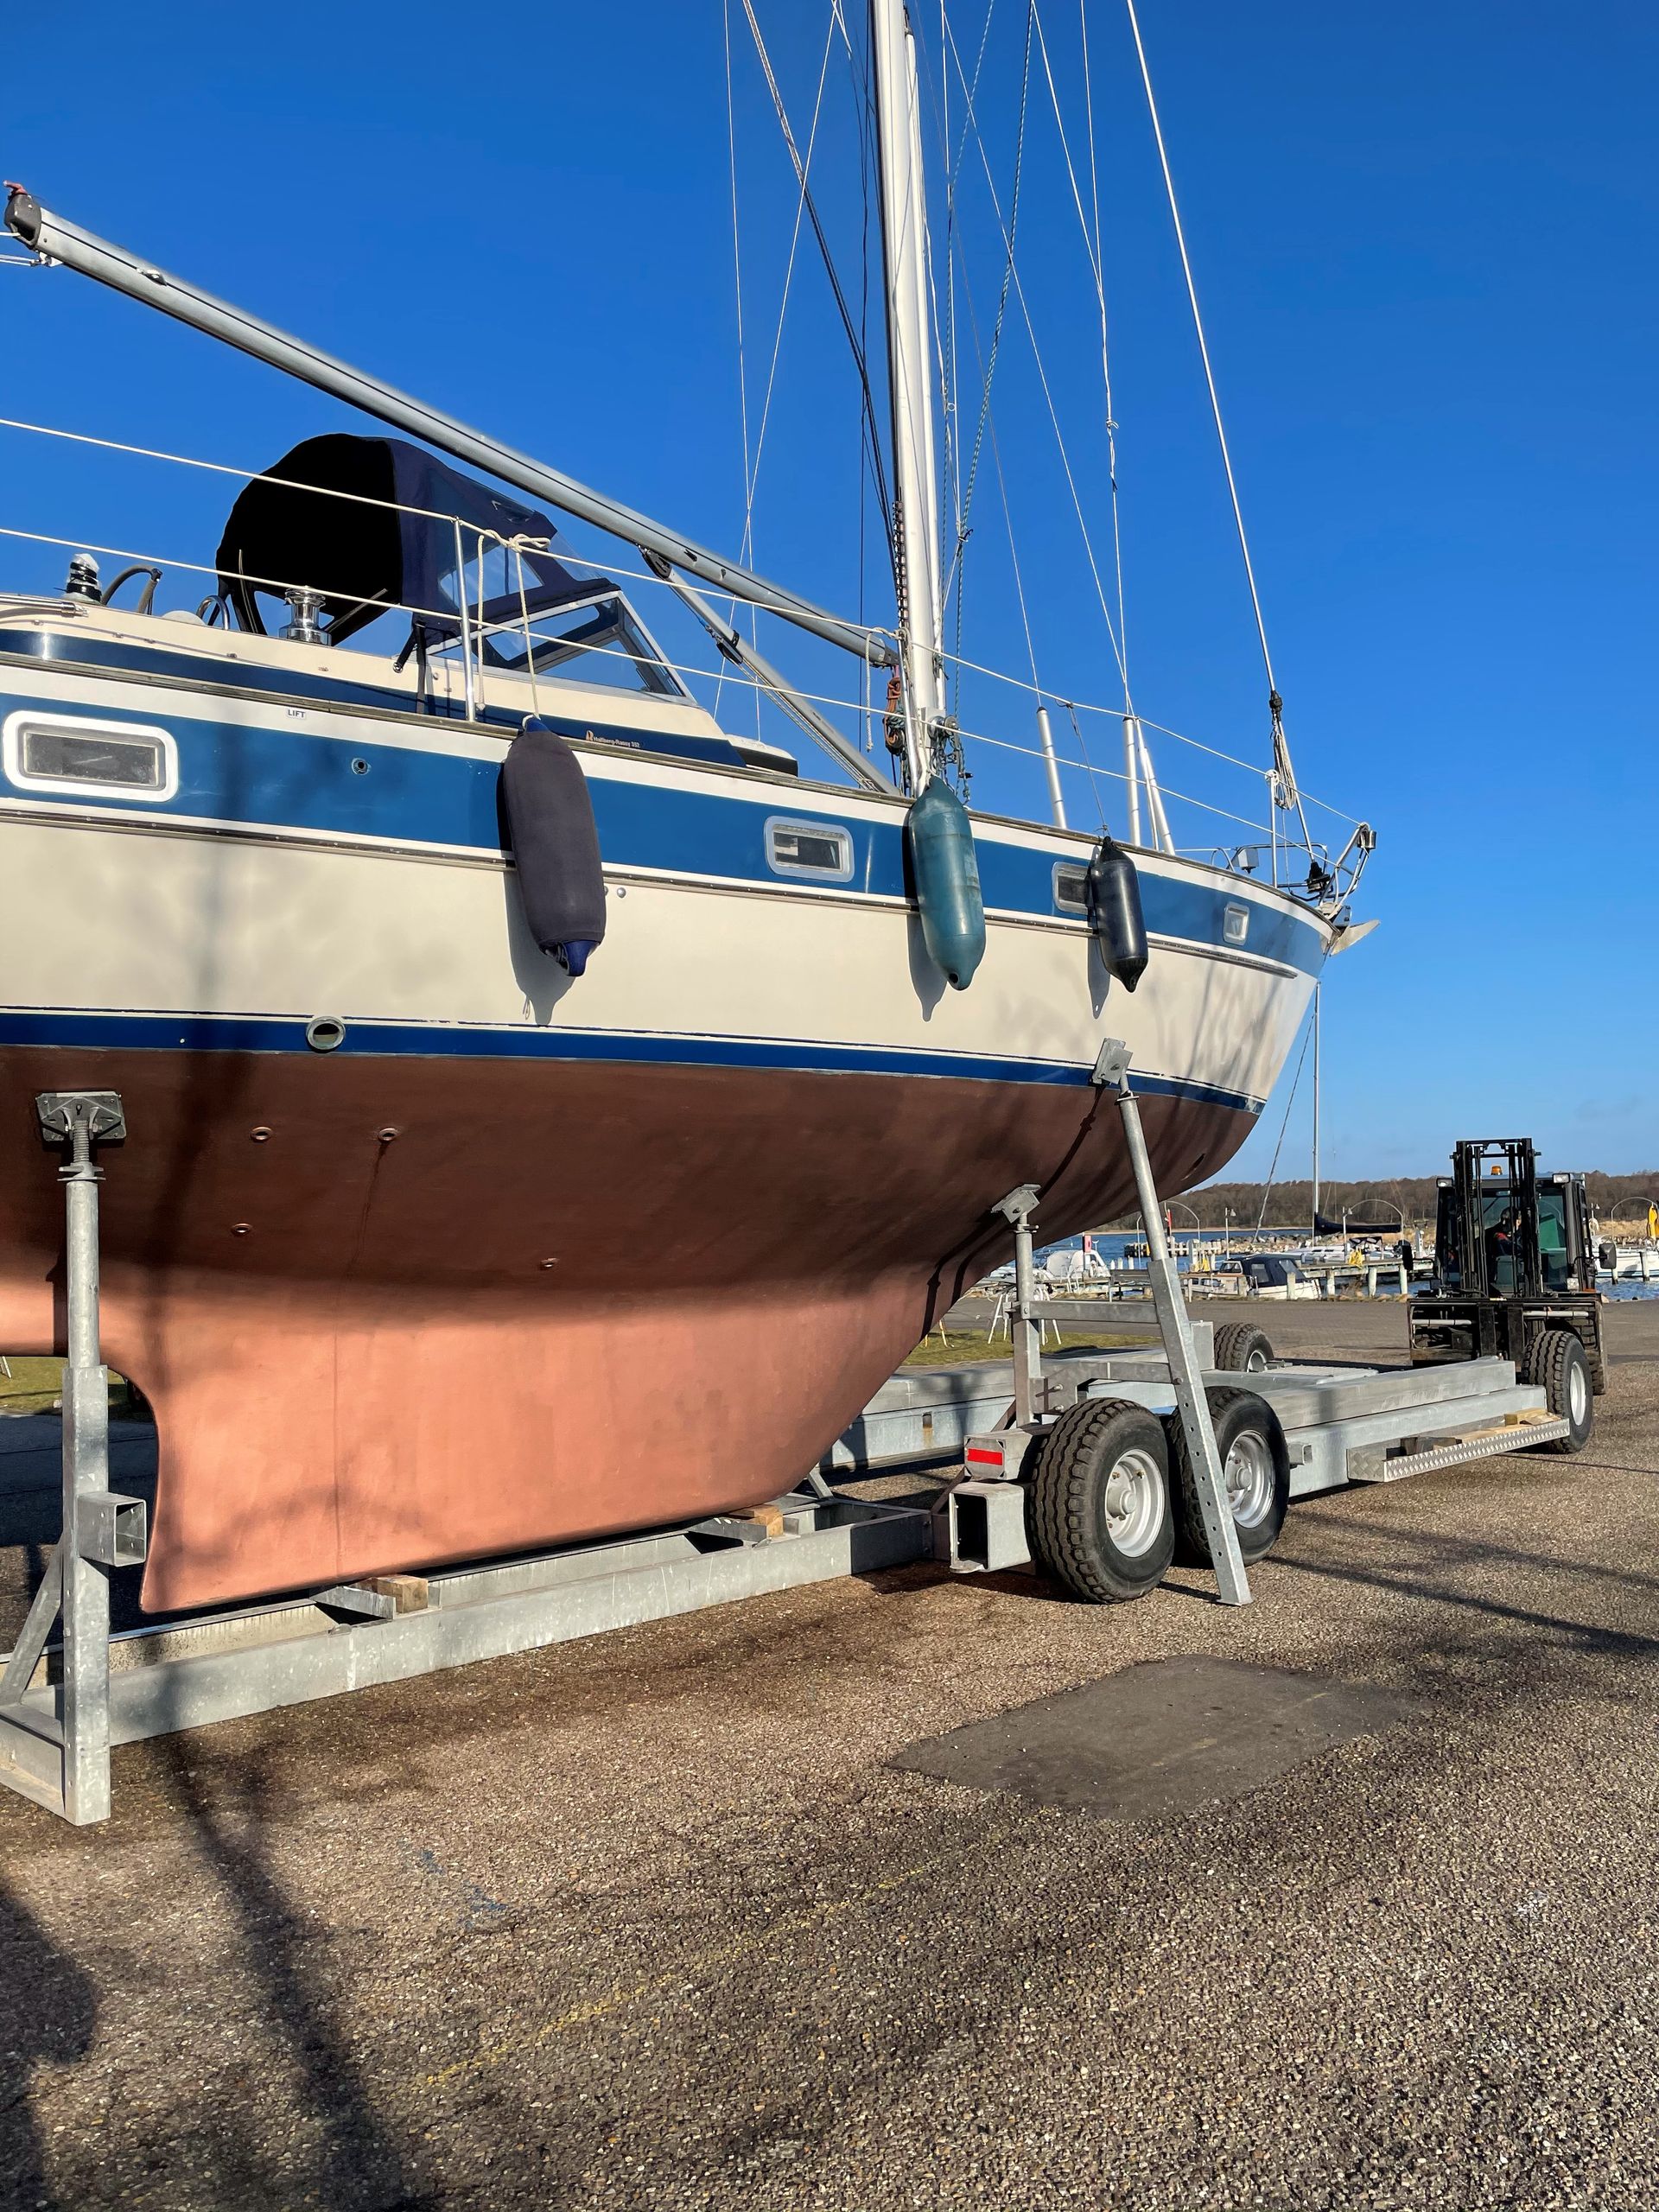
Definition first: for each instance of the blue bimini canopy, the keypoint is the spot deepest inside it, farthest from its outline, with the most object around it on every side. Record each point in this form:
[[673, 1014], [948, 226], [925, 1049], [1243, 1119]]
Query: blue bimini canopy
[[365, 551]]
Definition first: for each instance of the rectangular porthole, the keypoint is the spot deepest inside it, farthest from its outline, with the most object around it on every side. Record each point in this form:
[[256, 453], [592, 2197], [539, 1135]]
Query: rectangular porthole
[[67, 753], [1071, 886], [1235, 923], [822, 850]]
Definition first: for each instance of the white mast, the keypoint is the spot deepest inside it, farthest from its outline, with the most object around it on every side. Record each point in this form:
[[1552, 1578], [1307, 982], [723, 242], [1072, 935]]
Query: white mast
[[909, 374]]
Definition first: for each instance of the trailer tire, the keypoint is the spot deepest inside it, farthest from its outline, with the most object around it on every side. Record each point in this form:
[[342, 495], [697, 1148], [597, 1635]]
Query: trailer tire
[[1255, 1467], [1557, 1365], [1242, 1349], [1099, 1515]]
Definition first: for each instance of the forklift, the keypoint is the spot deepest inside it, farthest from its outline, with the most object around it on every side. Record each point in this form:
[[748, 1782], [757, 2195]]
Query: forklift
[[1515, 1279]]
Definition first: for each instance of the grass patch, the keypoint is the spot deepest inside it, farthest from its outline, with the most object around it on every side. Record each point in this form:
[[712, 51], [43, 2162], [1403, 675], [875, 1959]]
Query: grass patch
[[32, 1382], [959, 1350]]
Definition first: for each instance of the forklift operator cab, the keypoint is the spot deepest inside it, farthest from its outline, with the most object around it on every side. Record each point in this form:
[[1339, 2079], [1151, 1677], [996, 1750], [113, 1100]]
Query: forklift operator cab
[[1565, 1260], [1556, 1260], [1515, 1278]]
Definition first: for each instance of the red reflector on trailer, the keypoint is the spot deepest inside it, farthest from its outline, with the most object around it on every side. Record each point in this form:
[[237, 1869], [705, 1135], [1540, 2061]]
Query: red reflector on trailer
[[985, 1459]]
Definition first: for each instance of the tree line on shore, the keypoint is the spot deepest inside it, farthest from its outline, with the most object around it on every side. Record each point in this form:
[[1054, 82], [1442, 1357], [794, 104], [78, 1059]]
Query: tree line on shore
[[1379, 1204]]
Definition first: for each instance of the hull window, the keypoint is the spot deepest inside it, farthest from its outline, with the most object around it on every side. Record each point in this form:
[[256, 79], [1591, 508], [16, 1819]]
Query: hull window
[[1071, 886], [819, 849], [1234, 924], [51, 752]]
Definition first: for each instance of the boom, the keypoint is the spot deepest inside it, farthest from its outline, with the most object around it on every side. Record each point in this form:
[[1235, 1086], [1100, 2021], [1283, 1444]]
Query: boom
[[50, 236]]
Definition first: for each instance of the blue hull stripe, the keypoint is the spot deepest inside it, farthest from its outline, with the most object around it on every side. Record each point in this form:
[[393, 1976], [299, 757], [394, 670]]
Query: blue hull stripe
[[155, 1032], [286, 778]]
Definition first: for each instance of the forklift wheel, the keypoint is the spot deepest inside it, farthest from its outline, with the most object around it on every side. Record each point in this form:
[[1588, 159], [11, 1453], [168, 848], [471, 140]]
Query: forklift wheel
[[1242, 1348], [1556, 1363], [1097, 1509], [1255, 1471]]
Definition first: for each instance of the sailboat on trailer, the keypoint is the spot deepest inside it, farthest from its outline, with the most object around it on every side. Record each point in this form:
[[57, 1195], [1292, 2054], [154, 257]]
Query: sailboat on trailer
[[549, 1114]]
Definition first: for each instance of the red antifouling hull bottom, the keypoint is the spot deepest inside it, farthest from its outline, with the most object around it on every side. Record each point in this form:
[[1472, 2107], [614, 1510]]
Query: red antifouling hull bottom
[[392, 1311]]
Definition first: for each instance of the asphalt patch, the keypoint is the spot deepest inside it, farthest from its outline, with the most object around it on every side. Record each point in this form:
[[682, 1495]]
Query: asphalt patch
[[1159, 1740]]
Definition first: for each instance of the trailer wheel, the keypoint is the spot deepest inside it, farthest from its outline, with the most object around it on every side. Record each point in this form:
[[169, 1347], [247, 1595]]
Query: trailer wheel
[[1556, 1363], [1255, 1473], [1242, 1349], [1097, 1506]]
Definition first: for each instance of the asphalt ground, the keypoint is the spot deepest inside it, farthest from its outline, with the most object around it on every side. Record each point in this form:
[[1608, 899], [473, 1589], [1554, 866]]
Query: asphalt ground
[[652, 1919]]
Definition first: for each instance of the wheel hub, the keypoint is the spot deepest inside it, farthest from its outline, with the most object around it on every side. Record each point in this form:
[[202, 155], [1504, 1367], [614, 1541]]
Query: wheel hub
[[1248, 1476], [1135, 1503], [1577, 1394]]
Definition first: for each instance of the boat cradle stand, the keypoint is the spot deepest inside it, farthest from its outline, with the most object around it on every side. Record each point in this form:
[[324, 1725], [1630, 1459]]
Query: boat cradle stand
[[63, 1706]]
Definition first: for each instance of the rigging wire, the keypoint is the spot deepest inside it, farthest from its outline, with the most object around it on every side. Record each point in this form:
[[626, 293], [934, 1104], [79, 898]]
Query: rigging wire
[[950, 383], [949, 374], [753, 477], [1105, 355], [1042, 378], [1013, 562], [861, 109], [1095, 256], [1094, 787], [1008, 280], [1267, 1187], [959, 661], [818, 233], [1290, 796], [737, 281]]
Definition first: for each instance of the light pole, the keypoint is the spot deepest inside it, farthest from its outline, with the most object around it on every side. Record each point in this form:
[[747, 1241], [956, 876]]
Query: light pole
[[1316, 1108], [1196, 1223]]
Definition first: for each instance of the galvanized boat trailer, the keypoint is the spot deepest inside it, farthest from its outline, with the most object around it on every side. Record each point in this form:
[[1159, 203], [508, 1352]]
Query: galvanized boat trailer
[[64, 1705], [1338, 1424]]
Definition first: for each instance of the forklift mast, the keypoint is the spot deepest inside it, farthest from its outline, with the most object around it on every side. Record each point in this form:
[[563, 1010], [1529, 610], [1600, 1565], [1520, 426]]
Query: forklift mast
[[1490, 1213], [1510, 1163]]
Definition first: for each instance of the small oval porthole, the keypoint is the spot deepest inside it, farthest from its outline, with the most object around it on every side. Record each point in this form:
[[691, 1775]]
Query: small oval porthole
[[1235, 923], [325, 1032]]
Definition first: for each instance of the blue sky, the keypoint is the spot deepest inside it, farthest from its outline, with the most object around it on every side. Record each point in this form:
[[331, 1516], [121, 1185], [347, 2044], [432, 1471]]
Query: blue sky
[[1424, 240]]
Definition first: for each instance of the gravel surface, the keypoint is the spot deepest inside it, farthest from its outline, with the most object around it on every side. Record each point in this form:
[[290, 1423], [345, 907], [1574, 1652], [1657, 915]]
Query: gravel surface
[[651, 1920]]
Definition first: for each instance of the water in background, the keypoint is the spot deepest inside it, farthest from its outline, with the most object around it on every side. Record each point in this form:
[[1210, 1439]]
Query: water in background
[[1113, 1244]]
